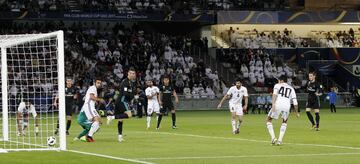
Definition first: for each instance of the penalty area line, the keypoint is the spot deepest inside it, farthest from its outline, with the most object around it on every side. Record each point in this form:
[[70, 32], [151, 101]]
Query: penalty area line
[[250, 140], [110, 157]]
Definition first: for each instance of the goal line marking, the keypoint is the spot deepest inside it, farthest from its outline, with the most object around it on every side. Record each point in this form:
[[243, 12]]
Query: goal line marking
[[110, 157]]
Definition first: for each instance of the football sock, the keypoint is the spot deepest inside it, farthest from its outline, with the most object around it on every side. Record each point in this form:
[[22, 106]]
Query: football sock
[[94, 127], [173, 117], [159, 121], [317, 118], [148, 121], [120, 127], [311, 118], [270, 128], [68, 124], [282, 131], [233, 124], [238, 125]]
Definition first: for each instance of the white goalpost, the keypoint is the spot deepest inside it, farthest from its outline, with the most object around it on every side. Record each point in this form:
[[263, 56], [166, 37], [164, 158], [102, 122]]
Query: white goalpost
[[32, 74]]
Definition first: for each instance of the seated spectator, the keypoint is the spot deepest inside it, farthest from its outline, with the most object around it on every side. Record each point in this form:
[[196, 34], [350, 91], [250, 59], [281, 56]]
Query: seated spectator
[[210, 92], [187, 92]]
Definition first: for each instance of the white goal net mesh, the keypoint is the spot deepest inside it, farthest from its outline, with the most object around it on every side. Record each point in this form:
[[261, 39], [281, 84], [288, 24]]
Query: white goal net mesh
[[32, 77]]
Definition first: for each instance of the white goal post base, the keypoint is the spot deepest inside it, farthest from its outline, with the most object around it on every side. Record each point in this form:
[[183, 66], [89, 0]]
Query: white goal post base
[[3, 151]]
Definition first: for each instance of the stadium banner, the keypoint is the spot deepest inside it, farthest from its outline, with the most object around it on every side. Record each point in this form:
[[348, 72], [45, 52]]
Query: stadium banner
[[284, 17], [208, 18], [346, 56]]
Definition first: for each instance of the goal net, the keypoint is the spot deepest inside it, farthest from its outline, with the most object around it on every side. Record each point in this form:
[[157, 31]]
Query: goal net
[[32, 74]]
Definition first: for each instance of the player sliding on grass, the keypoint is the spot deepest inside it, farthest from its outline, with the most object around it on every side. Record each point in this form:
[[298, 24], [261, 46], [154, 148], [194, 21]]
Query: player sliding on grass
[[236, 93], [88, 118], [283, 94]]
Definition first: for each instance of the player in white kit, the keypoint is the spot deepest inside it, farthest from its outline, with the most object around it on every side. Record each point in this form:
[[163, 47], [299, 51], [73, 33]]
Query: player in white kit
[[236, 94], [89, 119], [283, 95], [23, 113], [153, 97]]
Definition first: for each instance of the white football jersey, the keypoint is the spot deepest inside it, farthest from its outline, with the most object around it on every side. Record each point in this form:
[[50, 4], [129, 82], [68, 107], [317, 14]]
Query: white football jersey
[[237, 94], [23, 109], [285, 95], [150, 91], [91, 90]]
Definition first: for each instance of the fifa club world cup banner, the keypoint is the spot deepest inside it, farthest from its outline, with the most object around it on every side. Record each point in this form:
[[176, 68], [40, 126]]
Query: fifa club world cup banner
[[287, 17], [207, 18]]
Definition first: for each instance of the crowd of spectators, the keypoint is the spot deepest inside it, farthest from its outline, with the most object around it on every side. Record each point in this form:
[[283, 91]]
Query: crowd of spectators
[[287, 39], [94, 48], [263, 39], [337, 38], [260, 68], [181, 6]]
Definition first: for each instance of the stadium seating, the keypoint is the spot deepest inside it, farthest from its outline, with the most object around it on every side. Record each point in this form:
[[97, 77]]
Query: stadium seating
[[112, 50], [185, 6], [286, 39], [260, 68]]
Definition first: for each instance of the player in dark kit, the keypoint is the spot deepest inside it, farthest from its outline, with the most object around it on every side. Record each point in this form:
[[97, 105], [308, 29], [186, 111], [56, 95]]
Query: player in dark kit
[[314, 90], [167, 91], [127, 91], [71, 94]]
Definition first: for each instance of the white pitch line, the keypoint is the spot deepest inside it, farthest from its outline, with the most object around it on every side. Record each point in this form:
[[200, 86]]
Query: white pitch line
[[251, 140], [81, 152], [249, 156], [111, 157]]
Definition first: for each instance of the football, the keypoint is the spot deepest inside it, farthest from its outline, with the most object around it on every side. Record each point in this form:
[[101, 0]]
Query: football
[[51, 141]]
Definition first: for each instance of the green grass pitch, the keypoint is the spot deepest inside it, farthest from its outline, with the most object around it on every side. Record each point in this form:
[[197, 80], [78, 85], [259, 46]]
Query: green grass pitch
[[205, 137]]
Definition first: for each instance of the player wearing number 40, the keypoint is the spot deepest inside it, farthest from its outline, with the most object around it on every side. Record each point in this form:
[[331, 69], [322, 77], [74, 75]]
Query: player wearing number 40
[[236, 94], [283, 95]]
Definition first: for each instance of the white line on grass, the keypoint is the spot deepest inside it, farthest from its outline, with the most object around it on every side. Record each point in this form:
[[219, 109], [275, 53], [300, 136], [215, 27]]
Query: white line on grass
[[110, 157], [80, 152], [249, 156], [251, 140]]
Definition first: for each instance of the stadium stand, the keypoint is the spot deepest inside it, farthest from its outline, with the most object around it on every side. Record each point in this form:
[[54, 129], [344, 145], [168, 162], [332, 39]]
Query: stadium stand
[[254, 39], [184, 6], [93, 48]]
